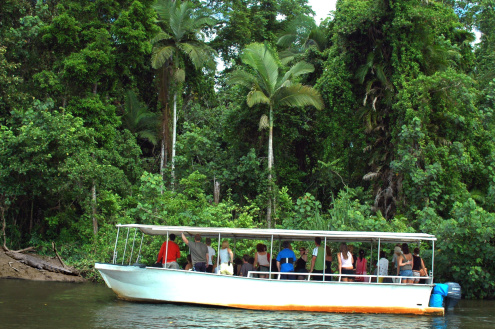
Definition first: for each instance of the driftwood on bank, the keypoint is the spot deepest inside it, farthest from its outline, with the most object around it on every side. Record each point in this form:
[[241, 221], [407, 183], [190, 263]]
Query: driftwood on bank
[[39, 263]]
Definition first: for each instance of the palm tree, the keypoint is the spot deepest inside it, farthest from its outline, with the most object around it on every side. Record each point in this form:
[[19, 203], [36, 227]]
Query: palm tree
[[182, 40], [138, 119], [300, 35], [268, 86]]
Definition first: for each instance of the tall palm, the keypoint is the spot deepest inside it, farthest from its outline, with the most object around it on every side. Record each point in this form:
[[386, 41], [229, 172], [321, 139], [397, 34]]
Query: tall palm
[[269, 86], [181, 39]]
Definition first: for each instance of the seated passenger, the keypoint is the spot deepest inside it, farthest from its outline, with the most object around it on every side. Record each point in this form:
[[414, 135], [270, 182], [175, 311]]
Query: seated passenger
[[418, 266], [189, 264], [328, 263], [301, 263], [226, 258], [246, 266], [285, 261]]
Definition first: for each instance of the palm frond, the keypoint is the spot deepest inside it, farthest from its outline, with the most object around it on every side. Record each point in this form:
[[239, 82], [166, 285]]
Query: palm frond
[[260, 58], [160, 36], [298, 95], [242, 78], [161, 55], [199, 53], [296, 70], [164, 8], [257, 97]]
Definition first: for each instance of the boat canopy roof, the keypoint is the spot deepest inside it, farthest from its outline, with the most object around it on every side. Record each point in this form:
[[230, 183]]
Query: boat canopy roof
[[279, 234]]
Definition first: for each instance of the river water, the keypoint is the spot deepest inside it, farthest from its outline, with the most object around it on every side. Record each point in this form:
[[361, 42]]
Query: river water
[[29, 304]]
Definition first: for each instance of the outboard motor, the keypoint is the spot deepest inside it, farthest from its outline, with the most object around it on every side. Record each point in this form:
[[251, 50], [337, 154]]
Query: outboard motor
[[453, 295]]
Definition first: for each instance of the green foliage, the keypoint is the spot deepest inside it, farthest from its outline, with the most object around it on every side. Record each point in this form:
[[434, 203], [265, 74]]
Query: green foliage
[[465, 248]]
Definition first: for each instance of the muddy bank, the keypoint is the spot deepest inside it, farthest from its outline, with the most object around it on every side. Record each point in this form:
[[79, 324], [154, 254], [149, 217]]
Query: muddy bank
[[11, 268]]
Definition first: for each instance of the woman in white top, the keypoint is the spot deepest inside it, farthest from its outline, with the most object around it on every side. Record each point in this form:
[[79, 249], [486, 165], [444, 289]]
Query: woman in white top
[[262, 258], [345, 263], [226, 258]]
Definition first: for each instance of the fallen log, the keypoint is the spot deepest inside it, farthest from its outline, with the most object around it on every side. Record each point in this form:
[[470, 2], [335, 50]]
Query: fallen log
[[39, 263]]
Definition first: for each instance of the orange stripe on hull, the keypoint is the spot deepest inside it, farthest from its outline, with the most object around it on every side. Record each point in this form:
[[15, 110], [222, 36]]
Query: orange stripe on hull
[[345, 309], [327, 309]]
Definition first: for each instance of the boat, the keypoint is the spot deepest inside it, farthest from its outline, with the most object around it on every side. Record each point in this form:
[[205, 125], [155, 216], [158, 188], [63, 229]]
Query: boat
[[141, 283]]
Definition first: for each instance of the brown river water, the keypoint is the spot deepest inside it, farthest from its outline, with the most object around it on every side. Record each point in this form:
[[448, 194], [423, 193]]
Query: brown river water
[[29, 304]]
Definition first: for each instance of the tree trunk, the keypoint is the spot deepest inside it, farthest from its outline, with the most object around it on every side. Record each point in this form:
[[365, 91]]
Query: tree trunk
[[93, 208], [4, 226], [270, 165], [174, 138], [216, 191], [163, 92]]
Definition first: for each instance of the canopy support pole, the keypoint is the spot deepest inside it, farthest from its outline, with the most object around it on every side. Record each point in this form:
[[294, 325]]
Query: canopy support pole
[[218, 257], [132, 249], [139, 253], [125, 248], [271, 255], [115, 248], [378, 268]]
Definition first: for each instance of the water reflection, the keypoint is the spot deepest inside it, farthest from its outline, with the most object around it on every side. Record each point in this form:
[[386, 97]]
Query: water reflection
[[25, 304]]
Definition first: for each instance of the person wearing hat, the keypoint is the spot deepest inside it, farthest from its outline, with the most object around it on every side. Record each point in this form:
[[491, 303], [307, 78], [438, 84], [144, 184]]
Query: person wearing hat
[[199, 252]]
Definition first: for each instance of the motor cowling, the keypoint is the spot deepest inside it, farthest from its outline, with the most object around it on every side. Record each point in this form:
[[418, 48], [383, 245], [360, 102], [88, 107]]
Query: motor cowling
[[453, 295]]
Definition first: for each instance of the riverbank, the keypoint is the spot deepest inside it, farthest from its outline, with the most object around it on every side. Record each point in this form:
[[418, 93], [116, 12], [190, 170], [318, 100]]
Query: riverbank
[[14, 269]]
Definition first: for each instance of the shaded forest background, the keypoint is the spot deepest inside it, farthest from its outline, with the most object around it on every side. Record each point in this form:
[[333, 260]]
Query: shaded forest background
[[114, 111]]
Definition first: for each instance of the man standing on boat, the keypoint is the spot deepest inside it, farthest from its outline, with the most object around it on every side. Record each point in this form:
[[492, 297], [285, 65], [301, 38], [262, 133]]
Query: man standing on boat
[[171, 250], [285, 261], [318, 260], [199, 252]]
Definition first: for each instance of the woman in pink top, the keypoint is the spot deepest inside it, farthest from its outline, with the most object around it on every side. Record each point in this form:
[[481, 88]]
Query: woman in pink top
[[361, 267]]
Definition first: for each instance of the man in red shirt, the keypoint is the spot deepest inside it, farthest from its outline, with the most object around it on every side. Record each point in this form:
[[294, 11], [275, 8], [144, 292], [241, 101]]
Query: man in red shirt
[[172, 254]]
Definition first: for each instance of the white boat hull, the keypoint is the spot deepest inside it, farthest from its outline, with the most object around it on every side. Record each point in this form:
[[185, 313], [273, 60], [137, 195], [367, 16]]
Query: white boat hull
[[178, 286]]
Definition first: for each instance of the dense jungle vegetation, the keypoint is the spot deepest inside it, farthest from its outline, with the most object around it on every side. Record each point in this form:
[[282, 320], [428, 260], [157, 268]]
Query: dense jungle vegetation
[[378, 118]]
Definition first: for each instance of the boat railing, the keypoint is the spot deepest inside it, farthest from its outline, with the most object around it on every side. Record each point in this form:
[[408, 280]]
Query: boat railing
[[368, 277]]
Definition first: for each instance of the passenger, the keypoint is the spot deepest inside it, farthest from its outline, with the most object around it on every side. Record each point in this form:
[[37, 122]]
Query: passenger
[[354, 257], [318, 261], [199, 252], [301, 263], [418, 265], [189, 265], [173, 254], [361, 268], [285, 261], [211, 254], [328, 263], [261, 259], [397, 253], [226, 258], [405, 263], [237, 266], [345, 263], [246, 266], [383, 264]]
